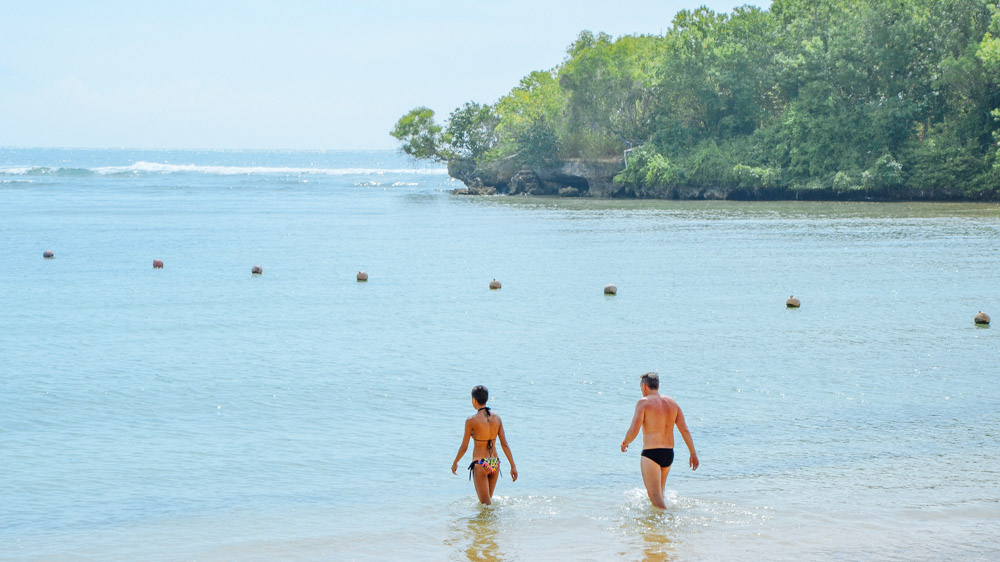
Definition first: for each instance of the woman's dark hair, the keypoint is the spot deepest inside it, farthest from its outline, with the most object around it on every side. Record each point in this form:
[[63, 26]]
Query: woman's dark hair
[[480, 393]]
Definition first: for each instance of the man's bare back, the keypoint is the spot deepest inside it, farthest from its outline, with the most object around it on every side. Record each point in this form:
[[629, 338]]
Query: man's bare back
[[657, 415]]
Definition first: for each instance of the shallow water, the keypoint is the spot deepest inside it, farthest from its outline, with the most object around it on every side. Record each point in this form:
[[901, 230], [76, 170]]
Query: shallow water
[[201, 412]]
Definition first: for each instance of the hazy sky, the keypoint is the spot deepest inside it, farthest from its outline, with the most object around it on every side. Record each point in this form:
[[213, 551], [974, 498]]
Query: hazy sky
[[258, 74]]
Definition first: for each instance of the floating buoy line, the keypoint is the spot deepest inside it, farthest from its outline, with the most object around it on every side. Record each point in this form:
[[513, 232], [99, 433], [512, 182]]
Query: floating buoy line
[[981, 319]]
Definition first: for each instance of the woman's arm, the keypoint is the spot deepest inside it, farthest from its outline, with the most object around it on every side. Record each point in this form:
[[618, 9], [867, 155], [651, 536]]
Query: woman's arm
[[506, 450], [463, 447]]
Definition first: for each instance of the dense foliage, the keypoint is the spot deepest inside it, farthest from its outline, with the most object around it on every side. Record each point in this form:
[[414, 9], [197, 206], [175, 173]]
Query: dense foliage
[[824, 98]]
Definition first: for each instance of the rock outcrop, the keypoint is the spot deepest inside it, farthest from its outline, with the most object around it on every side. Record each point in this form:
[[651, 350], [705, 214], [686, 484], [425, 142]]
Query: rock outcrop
[[527, 182], [476, 187], [592, 178], [566, 178]]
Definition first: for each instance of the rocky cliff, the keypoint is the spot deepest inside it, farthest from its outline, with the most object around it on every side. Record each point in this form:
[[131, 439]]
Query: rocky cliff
[[566, 178]]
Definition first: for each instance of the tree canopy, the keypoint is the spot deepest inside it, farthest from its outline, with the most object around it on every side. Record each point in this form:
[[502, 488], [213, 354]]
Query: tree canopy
[[897, 98]]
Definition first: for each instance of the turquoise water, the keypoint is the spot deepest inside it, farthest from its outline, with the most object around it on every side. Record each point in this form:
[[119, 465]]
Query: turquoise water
[[201, 412]]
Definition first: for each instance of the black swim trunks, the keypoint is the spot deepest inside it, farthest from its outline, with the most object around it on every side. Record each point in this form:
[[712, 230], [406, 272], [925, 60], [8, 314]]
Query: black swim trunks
[[662, 457]]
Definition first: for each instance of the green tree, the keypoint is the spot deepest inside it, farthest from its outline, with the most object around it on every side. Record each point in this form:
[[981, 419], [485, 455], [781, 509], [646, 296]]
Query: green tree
[[989, 53], [531, 116], [610, 87], [472, 130], [421, 135], [858, 97], [648, 173]]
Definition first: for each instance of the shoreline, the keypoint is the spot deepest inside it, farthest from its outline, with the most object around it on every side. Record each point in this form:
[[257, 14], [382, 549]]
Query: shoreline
[[595, 179]]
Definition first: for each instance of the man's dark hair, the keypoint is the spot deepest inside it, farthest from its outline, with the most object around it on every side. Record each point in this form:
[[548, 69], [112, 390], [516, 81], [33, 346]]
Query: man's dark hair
[[652, 380], [480, 393]]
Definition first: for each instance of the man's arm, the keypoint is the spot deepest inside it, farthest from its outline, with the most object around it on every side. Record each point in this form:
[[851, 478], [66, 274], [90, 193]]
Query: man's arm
[[683, 428], [506, 450], [463, 447], [633, 430]]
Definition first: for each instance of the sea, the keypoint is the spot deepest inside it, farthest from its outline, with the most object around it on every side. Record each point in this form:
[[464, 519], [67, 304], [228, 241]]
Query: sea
[[199, 412]]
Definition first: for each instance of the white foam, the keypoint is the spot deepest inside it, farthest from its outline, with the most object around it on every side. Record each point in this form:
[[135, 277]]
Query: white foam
[[143, 167], [17, 171], [156, 167], [637, 497]]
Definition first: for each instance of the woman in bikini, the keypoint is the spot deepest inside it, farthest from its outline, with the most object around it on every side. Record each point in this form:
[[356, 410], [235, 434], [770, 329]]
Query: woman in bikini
[[484, 428]]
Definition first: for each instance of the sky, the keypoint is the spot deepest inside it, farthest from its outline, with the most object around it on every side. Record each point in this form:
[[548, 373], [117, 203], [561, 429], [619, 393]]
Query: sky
[[283, 75]]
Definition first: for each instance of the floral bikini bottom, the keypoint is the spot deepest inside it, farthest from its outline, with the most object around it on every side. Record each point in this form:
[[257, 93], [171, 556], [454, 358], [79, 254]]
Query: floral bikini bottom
[[492, 466]]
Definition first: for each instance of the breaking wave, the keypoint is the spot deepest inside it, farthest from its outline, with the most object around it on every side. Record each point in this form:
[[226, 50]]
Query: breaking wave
[[143, 167], [36, 171]]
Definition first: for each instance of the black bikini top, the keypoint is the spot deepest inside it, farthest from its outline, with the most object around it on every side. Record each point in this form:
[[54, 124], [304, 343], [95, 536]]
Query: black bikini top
[[489, 442]]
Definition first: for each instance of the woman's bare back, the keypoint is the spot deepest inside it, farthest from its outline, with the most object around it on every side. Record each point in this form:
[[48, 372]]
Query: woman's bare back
[[485, 429]]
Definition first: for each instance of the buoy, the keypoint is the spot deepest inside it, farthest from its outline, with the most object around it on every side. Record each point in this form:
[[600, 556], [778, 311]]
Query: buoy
[[157, 264], [983, 319], [610, 289], [257, 270], [47, 254], [494, 285], [793, 302], [362, 276]]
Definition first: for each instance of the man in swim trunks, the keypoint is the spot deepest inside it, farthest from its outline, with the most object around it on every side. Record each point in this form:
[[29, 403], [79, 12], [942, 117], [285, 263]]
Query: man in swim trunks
[[657, 415], [484, 428]]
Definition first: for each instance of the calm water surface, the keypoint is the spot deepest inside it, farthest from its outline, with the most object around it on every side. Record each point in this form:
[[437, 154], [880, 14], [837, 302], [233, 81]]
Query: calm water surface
[[199, 412]]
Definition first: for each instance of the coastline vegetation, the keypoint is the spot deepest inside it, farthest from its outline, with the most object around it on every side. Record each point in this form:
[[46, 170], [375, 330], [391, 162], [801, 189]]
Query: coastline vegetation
[[821, 99]]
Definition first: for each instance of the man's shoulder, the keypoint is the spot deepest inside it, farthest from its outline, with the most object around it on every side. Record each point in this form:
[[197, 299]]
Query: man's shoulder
[[669, 403], [658, 402]]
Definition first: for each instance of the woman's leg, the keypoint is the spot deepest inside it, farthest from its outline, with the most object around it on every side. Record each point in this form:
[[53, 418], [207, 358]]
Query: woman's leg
[[483, 488], [493, 481]]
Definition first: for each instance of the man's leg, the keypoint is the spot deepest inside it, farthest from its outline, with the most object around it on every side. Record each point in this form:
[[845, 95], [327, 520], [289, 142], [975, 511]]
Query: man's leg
[[653, 478], [663, 479]]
